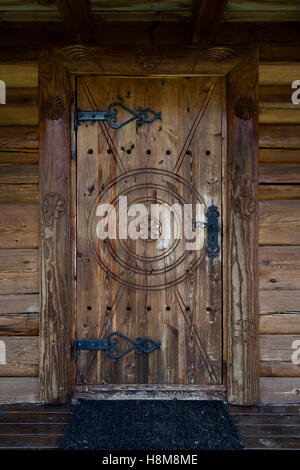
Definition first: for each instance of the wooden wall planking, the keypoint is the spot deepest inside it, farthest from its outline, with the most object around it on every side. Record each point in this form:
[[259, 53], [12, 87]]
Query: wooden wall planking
[[279, 389], [19, 232], [22, 356], [279, 253], [19, 272], [19, 226], [26, 324], [279, 136], [19, 390], [19, 303], [279, 222], [282, 191], [279, 155], [279, 173]]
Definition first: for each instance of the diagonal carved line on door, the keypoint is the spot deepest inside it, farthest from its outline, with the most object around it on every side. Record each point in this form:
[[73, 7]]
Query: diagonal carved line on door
[[109, 318], [103, 128], [198, 342], [194, 127], [112, 312]]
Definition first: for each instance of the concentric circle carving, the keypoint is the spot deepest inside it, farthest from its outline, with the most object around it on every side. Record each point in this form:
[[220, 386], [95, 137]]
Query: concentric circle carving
[[149, 264]]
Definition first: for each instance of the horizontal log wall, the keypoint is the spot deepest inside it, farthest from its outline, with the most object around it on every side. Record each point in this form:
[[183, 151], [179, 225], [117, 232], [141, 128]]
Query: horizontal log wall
[[279, 232], [19, 234]]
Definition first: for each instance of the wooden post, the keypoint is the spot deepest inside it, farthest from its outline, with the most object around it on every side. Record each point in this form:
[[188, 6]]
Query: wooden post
[[207, 18], [241, 257], [55, 259]]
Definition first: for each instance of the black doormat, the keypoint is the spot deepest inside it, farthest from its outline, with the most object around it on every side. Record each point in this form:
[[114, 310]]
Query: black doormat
[[150, 425]]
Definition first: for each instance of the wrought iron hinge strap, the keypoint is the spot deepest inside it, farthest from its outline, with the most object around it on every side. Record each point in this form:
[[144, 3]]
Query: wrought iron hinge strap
[[212, 225], [111, 344], [141, 116]]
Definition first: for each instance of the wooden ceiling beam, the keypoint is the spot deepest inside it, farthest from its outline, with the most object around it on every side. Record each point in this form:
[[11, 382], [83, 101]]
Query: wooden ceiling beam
[[78, 19], [207, 17], [37, 34]]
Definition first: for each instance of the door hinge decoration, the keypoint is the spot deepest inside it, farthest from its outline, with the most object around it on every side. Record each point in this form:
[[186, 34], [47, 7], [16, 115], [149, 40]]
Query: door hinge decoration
[[212, 247], [141, 115], [111, 345]]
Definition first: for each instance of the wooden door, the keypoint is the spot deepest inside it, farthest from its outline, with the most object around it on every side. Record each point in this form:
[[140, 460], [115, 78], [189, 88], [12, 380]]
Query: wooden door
[[149, 288]]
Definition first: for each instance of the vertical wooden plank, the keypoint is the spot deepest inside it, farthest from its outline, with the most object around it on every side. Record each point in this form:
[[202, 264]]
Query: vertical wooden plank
[[55, 308], [242, 233]]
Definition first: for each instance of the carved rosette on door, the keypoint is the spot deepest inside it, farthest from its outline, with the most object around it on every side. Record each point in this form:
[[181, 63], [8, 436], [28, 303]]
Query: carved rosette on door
[[158, 144]]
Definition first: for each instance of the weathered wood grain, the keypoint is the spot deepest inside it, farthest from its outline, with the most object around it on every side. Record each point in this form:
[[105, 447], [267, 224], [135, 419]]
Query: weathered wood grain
[[22, 356], [77, 19], [12, 429], [241, 259], [19, 193], [276, 135], [279, 191], [16, 115], [279, 267], [280, 301], [279, 52], [279, 173], [19, 137], [279, 311], [277, 348], [18, 184], [263, 410], [279, 155], [259, 33], [19, 303], [276, 95], [55, 256], [18, 414], [165, 16], [18, 271], [280, 323], [22, 96], [278, 73], [269, 431], [268, 417], [279, 369], [272, 443], [19, 324], [33, 408], [276, 115], [18, 174], [141, 5], [34, 442], [102, 16], [19, 389], [19, 75], [19, 226], [280, 389], [149, 392], [279, 222], [206, 19], [263, 6], [31, 5], [260, 16], [19, 156]]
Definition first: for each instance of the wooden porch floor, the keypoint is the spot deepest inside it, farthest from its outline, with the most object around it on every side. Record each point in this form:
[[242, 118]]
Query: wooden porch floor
[[42, 427]]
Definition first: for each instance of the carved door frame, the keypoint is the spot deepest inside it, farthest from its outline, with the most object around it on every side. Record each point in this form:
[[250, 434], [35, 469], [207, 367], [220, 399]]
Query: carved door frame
[[57, 71]]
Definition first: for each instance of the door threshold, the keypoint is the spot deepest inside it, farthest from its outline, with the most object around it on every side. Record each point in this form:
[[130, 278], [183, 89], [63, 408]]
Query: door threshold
[[149, 392]]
